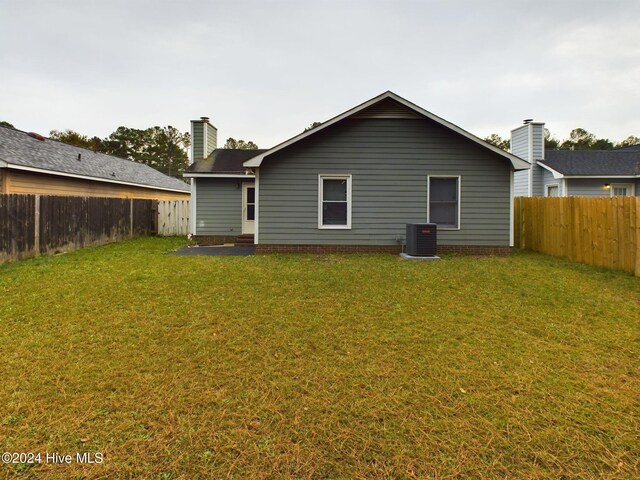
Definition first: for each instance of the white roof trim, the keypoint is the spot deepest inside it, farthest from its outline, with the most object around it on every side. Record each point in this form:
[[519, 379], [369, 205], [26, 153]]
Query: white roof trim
[[517, 162], [556, 174], [217, 175], [601, 176], [95, 179]]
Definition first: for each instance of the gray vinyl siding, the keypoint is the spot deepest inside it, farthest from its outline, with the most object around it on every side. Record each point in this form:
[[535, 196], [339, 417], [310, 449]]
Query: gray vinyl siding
[[203, 132], [547, 179], [521, 183], [197, 142], [537, 173], [520, 142], [211, 138], [537, 131], [218, 206], [389, 160], [593, 187]]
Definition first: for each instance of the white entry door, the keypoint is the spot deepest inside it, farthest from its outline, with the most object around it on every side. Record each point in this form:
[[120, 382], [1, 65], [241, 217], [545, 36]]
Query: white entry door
[[248, 207]]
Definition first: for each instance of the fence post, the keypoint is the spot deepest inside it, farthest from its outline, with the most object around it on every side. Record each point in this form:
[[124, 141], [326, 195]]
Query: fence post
[[523, 222], [155, 212], [637, 271], [131, 218], [36, 225]]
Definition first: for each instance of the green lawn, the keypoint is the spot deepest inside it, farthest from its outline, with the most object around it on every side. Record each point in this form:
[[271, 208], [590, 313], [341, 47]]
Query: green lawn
[[304, 366]]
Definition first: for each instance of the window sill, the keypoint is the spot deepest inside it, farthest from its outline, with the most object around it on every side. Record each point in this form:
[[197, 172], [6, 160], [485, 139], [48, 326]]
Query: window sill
[[334, 227]]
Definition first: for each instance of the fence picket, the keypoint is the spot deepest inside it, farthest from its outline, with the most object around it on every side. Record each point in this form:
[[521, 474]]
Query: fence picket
[[30, 224], [173, 217], [596, 231]]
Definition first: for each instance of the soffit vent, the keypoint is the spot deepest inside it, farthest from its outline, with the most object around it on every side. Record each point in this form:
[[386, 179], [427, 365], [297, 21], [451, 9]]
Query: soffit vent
[[387, 108]]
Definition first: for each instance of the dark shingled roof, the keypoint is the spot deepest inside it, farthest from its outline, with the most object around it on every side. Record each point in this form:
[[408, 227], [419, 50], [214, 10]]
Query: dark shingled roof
[[224, 160], [20, 148], [598, 163], [630, 148]]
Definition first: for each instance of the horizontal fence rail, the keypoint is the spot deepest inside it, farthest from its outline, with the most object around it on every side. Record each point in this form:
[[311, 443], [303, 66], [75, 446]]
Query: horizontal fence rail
[[596, 231]]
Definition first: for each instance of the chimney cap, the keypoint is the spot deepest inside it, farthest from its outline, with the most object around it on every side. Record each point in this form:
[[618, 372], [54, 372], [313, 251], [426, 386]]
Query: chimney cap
[[205, 119], [527, 120]]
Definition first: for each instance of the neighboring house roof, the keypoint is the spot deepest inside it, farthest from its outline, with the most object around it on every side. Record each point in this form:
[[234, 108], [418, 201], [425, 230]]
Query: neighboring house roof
[[22, 151], [517, 162], [630, 148], [593, 163], [222, 162]]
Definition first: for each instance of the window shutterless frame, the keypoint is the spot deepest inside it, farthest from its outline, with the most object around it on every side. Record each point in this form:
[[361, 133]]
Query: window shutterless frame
[[321, 201], [622, 189], [458, 179], [549, 189]]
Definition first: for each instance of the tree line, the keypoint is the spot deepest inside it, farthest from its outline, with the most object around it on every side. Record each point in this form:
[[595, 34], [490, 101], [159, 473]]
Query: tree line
[[162, 148], [579, 139]]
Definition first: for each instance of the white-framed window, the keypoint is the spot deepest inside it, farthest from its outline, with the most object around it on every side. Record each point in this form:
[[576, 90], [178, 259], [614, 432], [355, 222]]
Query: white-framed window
[[334, 201], [552, 190], [622, 190], [443, 202]]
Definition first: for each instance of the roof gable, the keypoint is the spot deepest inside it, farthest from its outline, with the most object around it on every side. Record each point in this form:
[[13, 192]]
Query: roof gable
[[390, 105], [21, 151]]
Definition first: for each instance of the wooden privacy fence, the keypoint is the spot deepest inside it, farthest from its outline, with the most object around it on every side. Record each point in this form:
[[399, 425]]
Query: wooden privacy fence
[[38, 224], [596, 231], [173, 217]]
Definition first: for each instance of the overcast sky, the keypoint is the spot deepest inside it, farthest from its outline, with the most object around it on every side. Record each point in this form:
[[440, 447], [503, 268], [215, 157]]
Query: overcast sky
[[264, 70]]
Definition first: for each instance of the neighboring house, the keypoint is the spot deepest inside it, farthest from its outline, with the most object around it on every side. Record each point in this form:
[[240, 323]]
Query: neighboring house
[[30, 163], [585, 173], [354, 182]]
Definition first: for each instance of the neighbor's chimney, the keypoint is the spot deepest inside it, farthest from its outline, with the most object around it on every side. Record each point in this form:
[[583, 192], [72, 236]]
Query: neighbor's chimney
[[527, 142], [204, 138]]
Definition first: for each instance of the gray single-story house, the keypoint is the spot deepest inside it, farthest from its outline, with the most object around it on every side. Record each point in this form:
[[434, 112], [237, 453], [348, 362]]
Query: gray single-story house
[[354, 182], [573, 173]]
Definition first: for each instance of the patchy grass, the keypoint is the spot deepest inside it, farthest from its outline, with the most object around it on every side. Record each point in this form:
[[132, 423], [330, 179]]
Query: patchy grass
[[307, 366]]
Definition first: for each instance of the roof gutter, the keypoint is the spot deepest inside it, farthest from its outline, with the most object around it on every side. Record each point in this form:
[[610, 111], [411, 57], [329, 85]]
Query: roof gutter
[[217, 175], [95, 179], [517, 162], [601, 176]]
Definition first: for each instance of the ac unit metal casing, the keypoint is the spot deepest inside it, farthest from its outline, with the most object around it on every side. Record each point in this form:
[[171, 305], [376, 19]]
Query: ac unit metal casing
[[422, 239]]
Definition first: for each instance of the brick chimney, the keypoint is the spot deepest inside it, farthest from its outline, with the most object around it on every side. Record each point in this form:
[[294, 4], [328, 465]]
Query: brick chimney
[[204, 139]]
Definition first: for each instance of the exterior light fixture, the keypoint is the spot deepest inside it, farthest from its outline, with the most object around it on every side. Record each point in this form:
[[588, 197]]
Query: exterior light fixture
[[607, 186]]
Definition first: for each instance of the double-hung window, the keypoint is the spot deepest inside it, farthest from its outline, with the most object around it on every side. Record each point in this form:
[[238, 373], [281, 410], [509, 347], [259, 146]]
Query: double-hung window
[[334, 201], [444, 201]]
